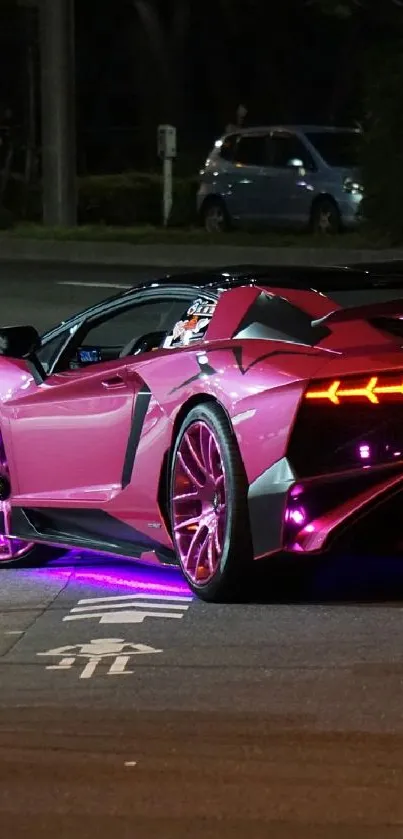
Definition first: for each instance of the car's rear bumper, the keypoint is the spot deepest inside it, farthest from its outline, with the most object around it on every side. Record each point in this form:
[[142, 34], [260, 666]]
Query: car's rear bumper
[[358, 510]]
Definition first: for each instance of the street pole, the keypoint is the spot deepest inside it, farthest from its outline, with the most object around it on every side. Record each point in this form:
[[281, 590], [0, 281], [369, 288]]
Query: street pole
[[168, 190], [58, 112]]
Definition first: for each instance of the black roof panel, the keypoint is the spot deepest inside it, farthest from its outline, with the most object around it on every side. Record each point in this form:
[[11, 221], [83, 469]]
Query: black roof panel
[[322, 278]]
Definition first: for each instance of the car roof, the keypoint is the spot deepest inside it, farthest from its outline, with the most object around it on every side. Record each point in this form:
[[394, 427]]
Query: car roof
[[316, 278], [303, 129], [323, 279]]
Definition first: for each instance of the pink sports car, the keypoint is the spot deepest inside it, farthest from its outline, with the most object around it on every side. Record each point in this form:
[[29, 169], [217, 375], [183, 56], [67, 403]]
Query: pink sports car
[[207, 420]]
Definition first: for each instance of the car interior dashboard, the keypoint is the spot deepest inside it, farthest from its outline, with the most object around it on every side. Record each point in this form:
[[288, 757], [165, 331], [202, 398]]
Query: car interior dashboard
[[88, 354]]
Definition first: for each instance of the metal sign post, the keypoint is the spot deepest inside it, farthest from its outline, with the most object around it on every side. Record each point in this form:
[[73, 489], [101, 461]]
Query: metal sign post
[[167, 199], [167, 152]]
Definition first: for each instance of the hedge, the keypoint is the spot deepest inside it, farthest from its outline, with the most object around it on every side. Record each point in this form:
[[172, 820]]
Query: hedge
[[130, 199]]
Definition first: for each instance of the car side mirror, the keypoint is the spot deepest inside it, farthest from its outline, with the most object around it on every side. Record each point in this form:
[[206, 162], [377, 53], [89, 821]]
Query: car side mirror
[[295, 163], [23, 342], [19, 341]]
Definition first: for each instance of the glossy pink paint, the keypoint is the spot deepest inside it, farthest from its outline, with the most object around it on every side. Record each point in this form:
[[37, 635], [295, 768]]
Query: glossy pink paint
[[66, 439], [69, 435], [314, 536]]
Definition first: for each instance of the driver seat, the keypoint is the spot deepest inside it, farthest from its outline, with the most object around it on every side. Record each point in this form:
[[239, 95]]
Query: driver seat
[[128, 348], [146, 343]]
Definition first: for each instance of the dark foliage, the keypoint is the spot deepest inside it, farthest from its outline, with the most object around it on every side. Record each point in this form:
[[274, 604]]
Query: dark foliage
[[382, 153], [130, 199]]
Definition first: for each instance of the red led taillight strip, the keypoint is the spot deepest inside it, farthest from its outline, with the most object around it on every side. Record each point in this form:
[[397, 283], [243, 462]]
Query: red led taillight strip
[[371, 391]]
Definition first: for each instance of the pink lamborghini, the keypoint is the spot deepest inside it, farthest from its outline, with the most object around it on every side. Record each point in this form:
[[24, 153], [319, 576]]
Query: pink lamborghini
[[208, 420]]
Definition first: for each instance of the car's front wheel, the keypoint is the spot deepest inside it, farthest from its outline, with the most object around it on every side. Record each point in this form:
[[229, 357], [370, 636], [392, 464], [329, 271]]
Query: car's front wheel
[[15, 551], [208, 505]]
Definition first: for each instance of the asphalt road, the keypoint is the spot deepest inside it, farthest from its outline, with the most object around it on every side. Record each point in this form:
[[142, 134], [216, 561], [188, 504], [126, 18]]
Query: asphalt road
[[45, 294], [129, 709]]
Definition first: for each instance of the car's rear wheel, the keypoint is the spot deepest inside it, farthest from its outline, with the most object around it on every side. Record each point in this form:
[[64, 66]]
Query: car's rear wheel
[[208, 505]]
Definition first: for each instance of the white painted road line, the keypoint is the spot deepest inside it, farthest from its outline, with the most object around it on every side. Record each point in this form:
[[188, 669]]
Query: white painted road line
[[136, 605], [119, 665], [88, 671], [92, 285], [141, 596]]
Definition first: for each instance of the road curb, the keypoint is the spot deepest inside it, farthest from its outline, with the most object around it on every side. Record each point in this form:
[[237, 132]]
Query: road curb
[[178, 256]]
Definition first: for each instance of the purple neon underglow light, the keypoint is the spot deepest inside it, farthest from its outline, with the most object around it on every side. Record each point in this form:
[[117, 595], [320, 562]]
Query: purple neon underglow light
[[80, 571], [109, 580]]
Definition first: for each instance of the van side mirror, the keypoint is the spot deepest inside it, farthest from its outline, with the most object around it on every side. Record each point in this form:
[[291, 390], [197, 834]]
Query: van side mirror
[[295, 163]]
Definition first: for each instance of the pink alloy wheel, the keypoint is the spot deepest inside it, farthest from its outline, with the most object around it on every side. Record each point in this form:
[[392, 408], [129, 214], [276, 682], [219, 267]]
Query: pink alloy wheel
[[10, 548], [199, 503]]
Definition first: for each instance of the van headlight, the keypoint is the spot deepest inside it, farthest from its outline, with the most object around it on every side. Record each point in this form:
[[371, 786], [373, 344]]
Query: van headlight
[[352, 187]]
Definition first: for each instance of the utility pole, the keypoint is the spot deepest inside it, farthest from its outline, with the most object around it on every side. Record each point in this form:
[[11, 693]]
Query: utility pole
[[57, 39]]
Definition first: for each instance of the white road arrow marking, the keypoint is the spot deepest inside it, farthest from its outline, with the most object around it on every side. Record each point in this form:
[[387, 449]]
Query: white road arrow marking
[[140, 605], [135, 608], [141, 596], [130, 616]]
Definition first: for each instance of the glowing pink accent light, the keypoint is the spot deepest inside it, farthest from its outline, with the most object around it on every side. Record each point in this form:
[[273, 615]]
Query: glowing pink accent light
[[296, 516]]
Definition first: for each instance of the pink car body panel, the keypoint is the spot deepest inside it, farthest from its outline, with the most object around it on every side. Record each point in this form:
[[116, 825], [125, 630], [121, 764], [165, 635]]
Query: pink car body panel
[[67, 438]]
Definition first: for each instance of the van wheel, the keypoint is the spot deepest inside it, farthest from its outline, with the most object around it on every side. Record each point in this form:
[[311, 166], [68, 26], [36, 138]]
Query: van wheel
[[215, 216], [325, 217]]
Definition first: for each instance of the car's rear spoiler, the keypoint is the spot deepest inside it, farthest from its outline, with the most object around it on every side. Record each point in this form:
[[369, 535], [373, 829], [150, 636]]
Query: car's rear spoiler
[[390, 308]]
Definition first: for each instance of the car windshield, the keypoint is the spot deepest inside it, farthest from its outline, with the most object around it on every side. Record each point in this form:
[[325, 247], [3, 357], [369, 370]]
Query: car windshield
[[339, 148]]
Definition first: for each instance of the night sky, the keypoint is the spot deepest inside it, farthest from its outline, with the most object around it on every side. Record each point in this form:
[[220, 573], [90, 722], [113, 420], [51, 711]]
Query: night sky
[[141, 62]]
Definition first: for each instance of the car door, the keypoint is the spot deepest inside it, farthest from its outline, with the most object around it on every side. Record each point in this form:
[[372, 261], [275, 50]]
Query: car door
[[69, 435], [246, 190], [286, 183]]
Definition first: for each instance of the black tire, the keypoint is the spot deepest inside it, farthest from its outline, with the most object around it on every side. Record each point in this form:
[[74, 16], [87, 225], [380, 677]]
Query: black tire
[[215, 217], [236, 557], [325, 217]]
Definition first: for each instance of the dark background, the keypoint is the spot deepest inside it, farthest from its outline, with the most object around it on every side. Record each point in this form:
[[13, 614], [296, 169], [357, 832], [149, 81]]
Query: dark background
[[142, 62]]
